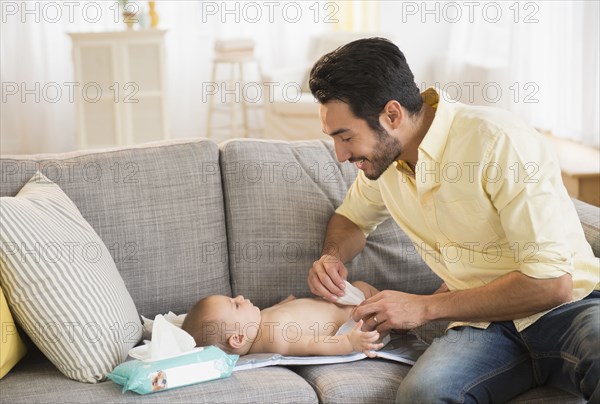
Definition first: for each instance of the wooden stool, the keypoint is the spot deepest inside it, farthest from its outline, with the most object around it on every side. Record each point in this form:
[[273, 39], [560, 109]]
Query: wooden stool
[[227, 53]]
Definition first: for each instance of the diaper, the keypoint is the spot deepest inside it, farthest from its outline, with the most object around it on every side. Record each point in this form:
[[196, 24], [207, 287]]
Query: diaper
[[353, 296]]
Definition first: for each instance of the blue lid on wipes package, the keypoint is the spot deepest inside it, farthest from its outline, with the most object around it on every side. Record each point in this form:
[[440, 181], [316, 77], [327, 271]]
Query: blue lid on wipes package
[[199, 365]]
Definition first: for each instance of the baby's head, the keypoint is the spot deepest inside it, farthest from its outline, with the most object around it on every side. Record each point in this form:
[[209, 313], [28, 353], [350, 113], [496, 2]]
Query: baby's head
[[230, 323]]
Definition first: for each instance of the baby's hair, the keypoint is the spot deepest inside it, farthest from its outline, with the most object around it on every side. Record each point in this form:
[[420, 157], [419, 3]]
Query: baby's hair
[[203, 324]]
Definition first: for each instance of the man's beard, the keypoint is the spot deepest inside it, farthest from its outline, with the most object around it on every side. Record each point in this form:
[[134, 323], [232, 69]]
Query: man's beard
[[386, 151]]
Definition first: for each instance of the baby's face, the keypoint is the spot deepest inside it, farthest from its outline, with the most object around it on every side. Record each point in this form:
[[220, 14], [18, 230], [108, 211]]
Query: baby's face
[[237, 311]]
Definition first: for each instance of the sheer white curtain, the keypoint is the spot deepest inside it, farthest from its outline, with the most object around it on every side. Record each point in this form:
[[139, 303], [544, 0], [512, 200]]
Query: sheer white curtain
[[38, 53], [540, 59], [35, 62]]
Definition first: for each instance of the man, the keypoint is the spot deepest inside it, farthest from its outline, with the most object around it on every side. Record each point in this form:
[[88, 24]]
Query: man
[[483, 192]]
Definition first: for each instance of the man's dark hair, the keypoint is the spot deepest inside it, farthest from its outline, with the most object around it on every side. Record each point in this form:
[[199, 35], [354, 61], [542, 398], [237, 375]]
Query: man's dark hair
[[366, 74]]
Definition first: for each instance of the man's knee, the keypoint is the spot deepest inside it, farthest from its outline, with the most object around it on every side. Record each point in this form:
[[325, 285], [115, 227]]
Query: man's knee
[[411, 391], [416, 388], [588, 324], [468, 365]]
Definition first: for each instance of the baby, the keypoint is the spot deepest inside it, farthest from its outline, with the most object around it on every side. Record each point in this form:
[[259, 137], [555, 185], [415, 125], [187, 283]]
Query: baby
[[294, 327]]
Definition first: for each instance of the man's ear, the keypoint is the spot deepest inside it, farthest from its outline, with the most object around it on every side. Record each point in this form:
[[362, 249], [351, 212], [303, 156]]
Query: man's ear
[[392, 113], [236, 341]]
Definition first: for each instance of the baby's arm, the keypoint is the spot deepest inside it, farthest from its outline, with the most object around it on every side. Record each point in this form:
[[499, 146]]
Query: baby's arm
[[367, 289], [354, 341], [365, 341]]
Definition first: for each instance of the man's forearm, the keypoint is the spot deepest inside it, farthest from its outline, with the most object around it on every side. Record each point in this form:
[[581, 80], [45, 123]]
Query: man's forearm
[[343, 238], [510, 297]]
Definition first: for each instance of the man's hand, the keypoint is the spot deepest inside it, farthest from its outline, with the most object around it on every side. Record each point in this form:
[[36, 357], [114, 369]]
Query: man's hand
[[364, 341], [343, 241], [326, 277], [391, 309], [511, 296]]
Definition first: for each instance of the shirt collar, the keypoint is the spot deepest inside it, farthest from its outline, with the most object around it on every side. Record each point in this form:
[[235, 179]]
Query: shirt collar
[[435, 139]]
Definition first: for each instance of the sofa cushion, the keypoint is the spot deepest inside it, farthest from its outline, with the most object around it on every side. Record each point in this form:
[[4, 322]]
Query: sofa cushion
[[590, 221], [380, 380], [62, 283], [12, 348], [158, 208], [35, 380], [279, 197]]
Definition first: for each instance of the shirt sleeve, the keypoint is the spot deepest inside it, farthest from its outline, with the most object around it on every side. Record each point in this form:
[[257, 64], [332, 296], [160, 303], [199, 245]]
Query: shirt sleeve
[[528, 193], [364, 205]]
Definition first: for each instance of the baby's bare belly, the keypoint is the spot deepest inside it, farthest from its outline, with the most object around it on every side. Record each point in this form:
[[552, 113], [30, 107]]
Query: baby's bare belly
[[315, 317]]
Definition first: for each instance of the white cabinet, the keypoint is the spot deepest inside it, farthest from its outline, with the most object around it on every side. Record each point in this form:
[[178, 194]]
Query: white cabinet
[[119, 87]]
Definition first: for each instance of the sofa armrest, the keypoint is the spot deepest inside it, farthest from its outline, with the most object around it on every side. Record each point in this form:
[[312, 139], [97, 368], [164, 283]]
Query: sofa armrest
[[589, 215]]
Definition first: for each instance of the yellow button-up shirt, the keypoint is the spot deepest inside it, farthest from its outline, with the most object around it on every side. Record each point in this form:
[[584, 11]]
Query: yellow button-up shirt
[[486, 198]]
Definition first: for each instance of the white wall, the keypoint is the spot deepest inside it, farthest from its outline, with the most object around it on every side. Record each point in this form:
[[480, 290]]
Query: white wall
[[40, 52], [421, 42]]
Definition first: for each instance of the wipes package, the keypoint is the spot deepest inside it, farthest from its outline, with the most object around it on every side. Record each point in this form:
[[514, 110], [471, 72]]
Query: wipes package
[[200, 365], [170, 360], [167, 340], [148, 324]]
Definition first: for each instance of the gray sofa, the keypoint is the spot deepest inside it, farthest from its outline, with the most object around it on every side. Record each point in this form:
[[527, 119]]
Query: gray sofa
[[185, 219]]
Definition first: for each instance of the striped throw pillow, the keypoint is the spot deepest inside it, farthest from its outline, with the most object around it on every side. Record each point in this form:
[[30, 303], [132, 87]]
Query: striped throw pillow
[[62, 284]]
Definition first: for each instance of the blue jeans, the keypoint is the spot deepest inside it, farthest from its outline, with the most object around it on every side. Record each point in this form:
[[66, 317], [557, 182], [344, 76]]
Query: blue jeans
[[470, 365]]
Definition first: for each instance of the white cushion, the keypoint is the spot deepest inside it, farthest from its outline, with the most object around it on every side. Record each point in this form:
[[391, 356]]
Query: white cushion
[[62, 284]]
